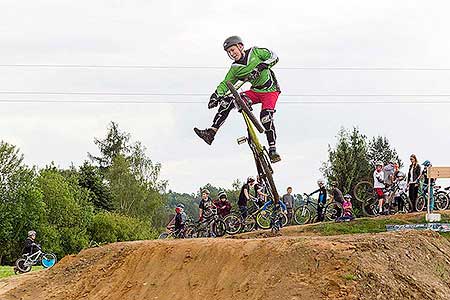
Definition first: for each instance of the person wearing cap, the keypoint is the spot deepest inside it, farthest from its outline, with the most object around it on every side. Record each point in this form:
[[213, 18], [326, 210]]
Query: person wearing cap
[[378, 184], [30, 246], [222, 204], [322, 200], [255, 66], [244, 196]]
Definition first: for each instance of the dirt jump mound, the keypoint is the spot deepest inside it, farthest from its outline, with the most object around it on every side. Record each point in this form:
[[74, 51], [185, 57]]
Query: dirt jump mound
[[407, 265]]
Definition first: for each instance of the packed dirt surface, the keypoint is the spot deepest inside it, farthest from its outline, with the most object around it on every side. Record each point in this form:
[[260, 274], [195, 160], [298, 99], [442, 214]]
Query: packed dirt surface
[[395, 265]]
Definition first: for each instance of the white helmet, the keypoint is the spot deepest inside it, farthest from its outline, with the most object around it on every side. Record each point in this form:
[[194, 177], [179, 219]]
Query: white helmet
[[379, 163], [31, 232], [321, 181]]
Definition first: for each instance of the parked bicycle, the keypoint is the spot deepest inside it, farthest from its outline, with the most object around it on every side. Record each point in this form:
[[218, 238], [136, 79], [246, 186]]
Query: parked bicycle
[[306, 212]]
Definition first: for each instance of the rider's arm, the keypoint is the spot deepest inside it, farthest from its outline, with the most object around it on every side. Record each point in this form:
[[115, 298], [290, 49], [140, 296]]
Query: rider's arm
[[268, 57], [246, 194], [222, 87], [315, 192]]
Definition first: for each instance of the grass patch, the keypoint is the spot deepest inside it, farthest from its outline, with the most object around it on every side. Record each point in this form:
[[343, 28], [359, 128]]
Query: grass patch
[[369, 225], [7, 271], [349, 277]]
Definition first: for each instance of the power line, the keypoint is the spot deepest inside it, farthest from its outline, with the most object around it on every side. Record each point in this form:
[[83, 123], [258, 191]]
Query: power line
[[204, 94], [217, 67], [97, 101]]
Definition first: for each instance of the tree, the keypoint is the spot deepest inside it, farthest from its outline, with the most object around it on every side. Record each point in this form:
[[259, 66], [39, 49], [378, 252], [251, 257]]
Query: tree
[[347, 163], [381, 150], [115, 143], [91, 178]]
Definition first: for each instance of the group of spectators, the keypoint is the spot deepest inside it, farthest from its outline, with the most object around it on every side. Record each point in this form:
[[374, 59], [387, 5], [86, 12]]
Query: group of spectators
[[389, 174]]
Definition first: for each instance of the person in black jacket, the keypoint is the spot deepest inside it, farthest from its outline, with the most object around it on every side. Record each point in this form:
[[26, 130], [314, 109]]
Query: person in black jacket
[[413, 180], [322, 199], [30, 246]]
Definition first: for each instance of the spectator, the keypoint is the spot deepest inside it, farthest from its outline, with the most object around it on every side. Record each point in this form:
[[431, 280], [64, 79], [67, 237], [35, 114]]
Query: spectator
[[347, 206], [378, 185], [260, 192], [427, 181], [222, 204], [244, 196], [401, 189], [322, 198], [413, 180], [389, 171], [336, 192], [205, 206], [288, 200]]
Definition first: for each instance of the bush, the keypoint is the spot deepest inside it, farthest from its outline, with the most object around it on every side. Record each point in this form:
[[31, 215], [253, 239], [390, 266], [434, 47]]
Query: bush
[[107, 227]]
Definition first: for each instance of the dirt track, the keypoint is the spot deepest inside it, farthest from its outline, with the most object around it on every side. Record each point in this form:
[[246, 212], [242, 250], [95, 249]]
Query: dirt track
[[407, 265]]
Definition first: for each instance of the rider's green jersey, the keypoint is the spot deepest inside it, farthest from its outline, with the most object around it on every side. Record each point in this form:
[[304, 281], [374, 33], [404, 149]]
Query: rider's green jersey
[[266, 82]]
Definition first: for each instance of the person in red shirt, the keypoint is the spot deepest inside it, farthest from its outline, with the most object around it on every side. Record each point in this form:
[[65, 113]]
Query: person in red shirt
[[222, 204]]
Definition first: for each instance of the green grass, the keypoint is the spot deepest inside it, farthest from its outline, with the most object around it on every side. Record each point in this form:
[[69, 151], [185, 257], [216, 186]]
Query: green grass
[[368, 225], [349, 277], [7, 271]]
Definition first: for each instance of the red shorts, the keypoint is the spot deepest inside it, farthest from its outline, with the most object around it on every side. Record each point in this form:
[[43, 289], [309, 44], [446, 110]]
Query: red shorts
[[379, 193], [268, 99]]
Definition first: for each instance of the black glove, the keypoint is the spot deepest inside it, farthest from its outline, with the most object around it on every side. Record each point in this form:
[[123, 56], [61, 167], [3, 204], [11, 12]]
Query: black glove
[[262, 66], [257, 71], [214, 100]]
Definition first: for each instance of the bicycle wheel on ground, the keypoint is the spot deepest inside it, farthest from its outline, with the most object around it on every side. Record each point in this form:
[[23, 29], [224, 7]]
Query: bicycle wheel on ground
[[21, 266], [233, 223], [363, 190], [441, 201], [249, 224], [219, 228], [332, 211], [244, 107], [284, 220], [408, 207], [370, 207], [420, 203], [302, 215], [163, 235], [263, 220], [48, 260]]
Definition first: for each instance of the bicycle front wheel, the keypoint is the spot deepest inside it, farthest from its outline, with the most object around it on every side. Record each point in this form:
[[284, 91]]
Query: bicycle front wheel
[[48, 260], [302, 215], [333, 211], [263, 220], [441, 201], [420, 203], [363, 190], [233, 224], [219, 228]]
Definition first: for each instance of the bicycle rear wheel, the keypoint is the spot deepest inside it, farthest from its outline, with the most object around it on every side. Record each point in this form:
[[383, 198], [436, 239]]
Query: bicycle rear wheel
[[244, 107], [363, 190], [219, 228], [441, 201], [163, 236], [21, 266], [421, 203], [263, 220], [333, 210], [268, 175]]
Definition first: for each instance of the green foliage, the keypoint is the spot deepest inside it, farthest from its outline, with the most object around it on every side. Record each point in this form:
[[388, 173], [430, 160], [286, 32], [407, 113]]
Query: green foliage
[[381, 150], [109, 227], [7, 271], [347, 163], [93, 180]]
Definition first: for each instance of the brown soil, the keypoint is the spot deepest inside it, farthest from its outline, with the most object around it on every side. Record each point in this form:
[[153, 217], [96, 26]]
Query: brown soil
[[406, 265]]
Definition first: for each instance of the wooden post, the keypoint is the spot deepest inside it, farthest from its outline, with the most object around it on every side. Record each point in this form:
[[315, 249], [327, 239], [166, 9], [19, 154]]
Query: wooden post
[[433, 173]]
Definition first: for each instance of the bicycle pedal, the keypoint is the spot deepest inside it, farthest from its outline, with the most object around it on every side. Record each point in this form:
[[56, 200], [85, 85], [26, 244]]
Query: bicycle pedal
[[242, 140]]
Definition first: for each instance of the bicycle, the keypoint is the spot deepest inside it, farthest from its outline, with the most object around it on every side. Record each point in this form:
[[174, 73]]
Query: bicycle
[[260, 153], [441, 200], [307, 211], [27, 261], [370, 206], [211, 226]]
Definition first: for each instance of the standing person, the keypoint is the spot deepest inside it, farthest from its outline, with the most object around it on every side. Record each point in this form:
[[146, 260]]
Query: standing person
[[400, 190], [427, 181], [389, 171], [378, 185], [222, 204], [260, 191], [180, 221], [288, 200], [413, 180], [244, 196], [254, 65], [336, 192], [205, 206], [322, 200]]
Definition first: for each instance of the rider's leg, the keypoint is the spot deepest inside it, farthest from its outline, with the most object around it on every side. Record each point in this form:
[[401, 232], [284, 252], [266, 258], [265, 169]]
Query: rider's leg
[[224, 110], [269, 100]]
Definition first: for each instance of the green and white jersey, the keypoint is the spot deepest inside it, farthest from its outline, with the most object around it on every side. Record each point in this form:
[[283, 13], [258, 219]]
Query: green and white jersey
[[266, 82]]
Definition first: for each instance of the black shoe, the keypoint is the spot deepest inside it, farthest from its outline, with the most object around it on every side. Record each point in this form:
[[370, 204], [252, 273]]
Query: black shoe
[[207, 134], [274, 156]]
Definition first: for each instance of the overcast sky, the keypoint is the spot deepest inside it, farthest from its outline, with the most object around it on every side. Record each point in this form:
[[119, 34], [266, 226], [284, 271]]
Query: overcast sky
[[365, 34]]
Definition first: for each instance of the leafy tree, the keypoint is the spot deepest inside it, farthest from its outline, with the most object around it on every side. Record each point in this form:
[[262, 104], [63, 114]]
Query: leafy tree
[[347, 162], [92, 179], [116, 142], [381, 150], [21, 205]]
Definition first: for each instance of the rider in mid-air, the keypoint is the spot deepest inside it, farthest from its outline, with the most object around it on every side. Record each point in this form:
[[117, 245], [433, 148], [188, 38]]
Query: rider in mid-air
[[253, 65]]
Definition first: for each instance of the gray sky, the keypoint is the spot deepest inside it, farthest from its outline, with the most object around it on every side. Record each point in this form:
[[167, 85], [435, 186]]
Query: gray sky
[[405, 34]]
